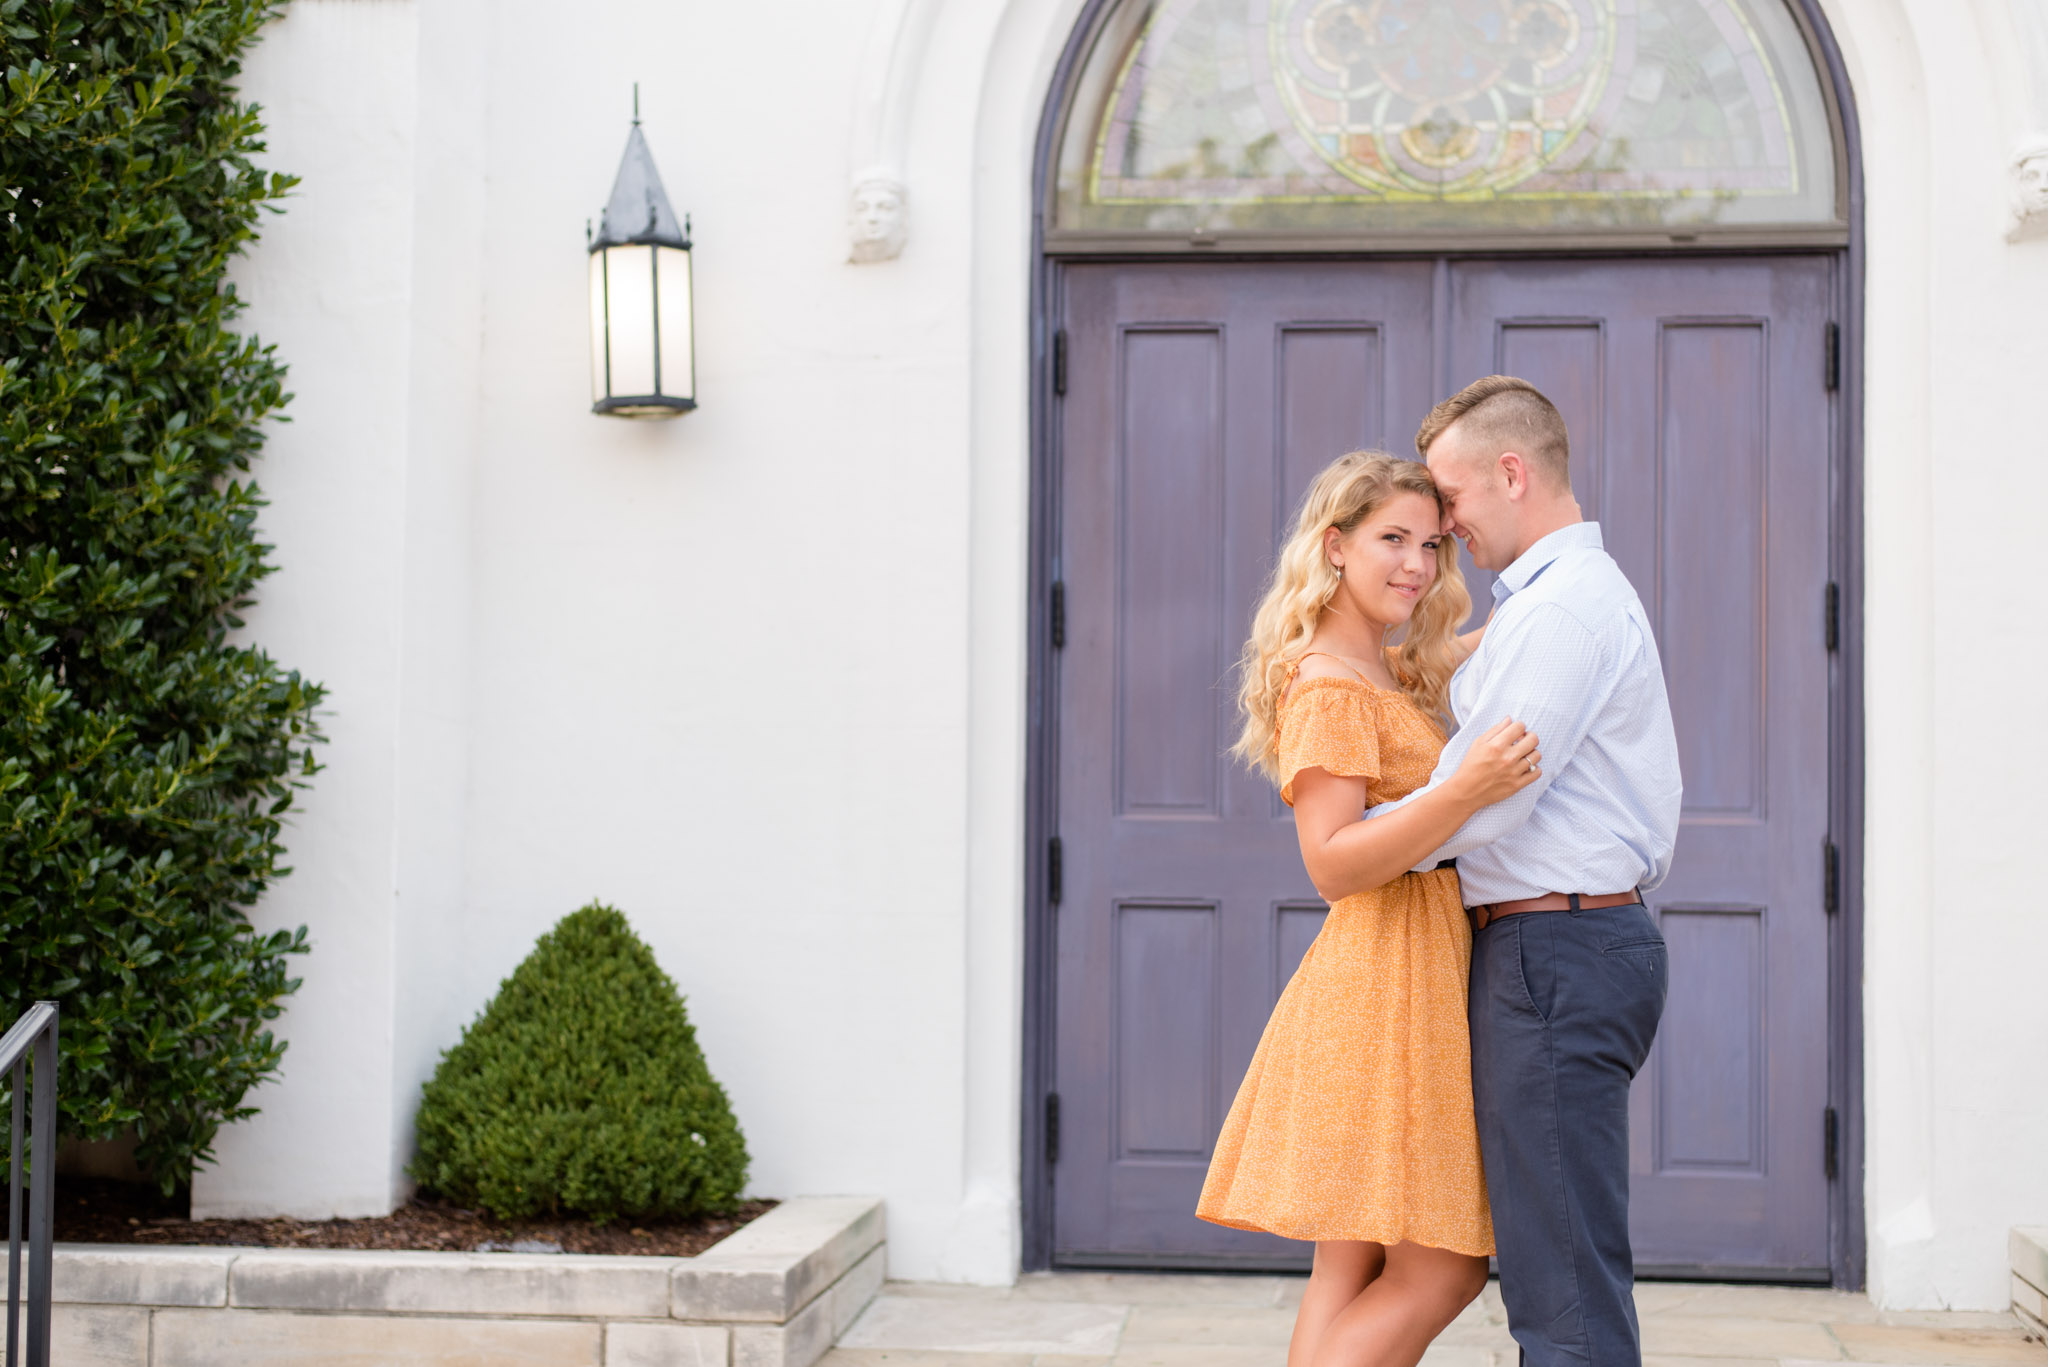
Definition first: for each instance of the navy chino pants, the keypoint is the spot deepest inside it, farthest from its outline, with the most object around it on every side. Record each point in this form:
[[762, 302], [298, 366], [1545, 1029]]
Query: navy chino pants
[[1564, 1007]]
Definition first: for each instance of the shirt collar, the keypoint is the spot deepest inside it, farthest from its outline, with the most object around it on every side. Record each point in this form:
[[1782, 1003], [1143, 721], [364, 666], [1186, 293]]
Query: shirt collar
[[1539, 557]]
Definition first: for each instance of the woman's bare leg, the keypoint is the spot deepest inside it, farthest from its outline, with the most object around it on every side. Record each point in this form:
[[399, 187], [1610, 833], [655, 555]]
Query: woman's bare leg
[[1343, 1269], [1417, 1293]]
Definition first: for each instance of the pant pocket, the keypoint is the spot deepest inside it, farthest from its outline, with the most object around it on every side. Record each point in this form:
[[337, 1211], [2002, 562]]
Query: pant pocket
[[1633, 930], [1536, 950], [1653, 945], [1639, 977]]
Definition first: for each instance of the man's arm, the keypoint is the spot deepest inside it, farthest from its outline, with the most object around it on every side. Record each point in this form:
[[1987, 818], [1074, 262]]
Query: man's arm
[[1547, 672]]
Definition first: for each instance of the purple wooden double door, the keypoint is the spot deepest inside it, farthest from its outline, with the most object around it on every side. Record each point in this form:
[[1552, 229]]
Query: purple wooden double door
[[1199, 401]]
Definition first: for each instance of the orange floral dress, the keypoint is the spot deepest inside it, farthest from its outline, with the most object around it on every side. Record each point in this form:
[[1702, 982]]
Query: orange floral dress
[[1355, 1118]]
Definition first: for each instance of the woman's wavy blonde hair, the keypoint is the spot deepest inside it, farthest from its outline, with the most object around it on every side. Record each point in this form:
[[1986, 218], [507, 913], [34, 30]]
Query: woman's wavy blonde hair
[[1349, 491]]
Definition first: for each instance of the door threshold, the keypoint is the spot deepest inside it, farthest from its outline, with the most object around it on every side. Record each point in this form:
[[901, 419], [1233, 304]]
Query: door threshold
[[1716, 1272]]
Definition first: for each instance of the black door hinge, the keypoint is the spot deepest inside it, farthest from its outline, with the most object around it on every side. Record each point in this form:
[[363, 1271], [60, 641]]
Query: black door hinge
[[1830, 877], [1053, 871], [1831, 362], [1831, 1142], [1059, 362], [1058, 613], [1831, 620], [1052, 1128]]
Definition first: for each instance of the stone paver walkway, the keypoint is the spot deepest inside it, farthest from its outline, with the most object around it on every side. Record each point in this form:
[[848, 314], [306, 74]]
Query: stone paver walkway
[[1130, 1320]]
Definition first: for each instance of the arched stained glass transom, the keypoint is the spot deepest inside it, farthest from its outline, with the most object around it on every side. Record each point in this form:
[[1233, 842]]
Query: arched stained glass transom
[[1424, 115]]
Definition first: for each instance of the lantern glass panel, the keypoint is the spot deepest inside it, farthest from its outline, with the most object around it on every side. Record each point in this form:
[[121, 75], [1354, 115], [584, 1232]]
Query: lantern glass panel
[[678, 376], [598, 391], [629, 305]]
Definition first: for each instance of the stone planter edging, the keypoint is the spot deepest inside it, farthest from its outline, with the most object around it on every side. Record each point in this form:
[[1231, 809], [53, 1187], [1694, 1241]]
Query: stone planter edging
[[774, 1294], [2029, 1249]]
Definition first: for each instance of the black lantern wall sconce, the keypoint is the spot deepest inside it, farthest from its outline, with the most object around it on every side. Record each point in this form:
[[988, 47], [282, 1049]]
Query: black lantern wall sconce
[[643, 361]]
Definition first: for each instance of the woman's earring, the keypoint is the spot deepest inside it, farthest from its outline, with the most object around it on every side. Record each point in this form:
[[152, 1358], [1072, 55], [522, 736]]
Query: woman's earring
[[1339, 569]]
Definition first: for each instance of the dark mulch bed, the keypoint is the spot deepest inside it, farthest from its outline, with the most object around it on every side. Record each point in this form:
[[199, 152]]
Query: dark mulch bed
[[93, 1211]]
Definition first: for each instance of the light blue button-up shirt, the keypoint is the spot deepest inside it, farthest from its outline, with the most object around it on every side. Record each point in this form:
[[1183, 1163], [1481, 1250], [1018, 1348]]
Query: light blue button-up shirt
[[1569, 654]]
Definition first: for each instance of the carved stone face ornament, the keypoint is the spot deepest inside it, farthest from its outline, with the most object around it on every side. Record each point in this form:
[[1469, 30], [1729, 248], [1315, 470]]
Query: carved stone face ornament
[[2030, 191], [875, 220]]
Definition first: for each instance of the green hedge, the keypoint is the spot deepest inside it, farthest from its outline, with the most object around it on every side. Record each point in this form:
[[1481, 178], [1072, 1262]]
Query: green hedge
[[581, 1088], [145, 759]]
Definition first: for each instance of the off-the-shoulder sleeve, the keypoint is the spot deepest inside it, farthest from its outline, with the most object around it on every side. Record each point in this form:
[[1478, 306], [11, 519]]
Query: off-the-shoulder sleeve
[[1331, 724]]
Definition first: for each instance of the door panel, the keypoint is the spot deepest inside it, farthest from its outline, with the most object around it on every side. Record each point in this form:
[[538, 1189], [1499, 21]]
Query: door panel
[[1166, 1032], [1712, 1033], [1201, 400], [1169, 580], [1707, 400]]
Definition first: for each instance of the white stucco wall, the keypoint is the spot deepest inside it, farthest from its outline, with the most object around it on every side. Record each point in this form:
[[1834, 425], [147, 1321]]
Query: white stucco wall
[[757, 675], [331, 285], [713, 671], [1954, 1007]]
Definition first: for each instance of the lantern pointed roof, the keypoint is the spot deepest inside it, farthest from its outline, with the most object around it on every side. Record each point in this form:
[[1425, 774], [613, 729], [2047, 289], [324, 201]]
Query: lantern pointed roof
[[638, 210]]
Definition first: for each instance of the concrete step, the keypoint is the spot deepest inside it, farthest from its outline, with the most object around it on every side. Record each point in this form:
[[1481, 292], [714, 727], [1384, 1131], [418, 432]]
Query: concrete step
[[2030, 1277]]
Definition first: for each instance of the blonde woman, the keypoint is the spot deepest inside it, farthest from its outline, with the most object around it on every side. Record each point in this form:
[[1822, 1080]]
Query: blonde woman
[[1354, 1125]]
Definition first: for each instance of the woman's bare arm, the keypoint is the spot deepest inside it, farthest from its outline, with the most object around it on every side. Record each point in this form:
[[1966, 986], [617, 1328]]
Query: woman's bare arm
[[1346, 854]]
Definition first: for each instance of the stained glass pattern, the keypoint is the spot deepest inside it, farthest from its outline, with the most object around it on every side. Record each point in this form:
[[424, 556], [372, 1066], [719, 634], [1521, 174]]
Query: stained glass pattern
[[1419, 114]]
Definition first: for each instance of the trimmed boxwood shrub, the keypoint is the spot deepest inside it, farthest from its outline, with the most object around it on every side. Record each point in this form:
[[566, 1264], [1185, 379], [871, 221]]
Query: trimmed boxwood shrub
[[581, 1088], [146, 759]]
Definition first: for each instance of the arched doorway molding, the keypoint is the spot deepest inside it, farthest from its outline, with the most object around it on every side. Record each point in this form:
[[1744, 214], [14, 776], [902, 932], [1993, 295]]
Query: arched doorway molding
[[1846, 745], [983, 92], [885, 94]]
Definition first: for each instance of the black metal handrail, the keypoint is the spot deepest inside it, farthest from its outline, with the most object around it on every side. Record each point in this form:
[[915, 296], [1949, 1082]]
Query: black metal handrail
[[34, 1034]]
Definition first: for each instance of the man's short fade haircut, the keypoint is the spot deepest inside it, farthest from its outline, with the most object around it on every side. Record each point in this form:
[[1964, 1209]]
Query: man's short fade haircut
[[1505, 414]]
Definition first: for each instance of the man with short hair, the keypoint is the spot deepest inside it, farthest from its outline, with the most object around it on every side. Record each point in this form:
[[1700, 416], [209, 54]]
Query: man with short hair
[[1568, 969]]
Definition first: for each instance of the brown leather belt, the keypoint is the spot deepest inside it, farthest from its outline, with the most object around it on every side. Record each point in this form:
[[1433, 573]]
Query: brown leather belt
[[1487, 913]]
